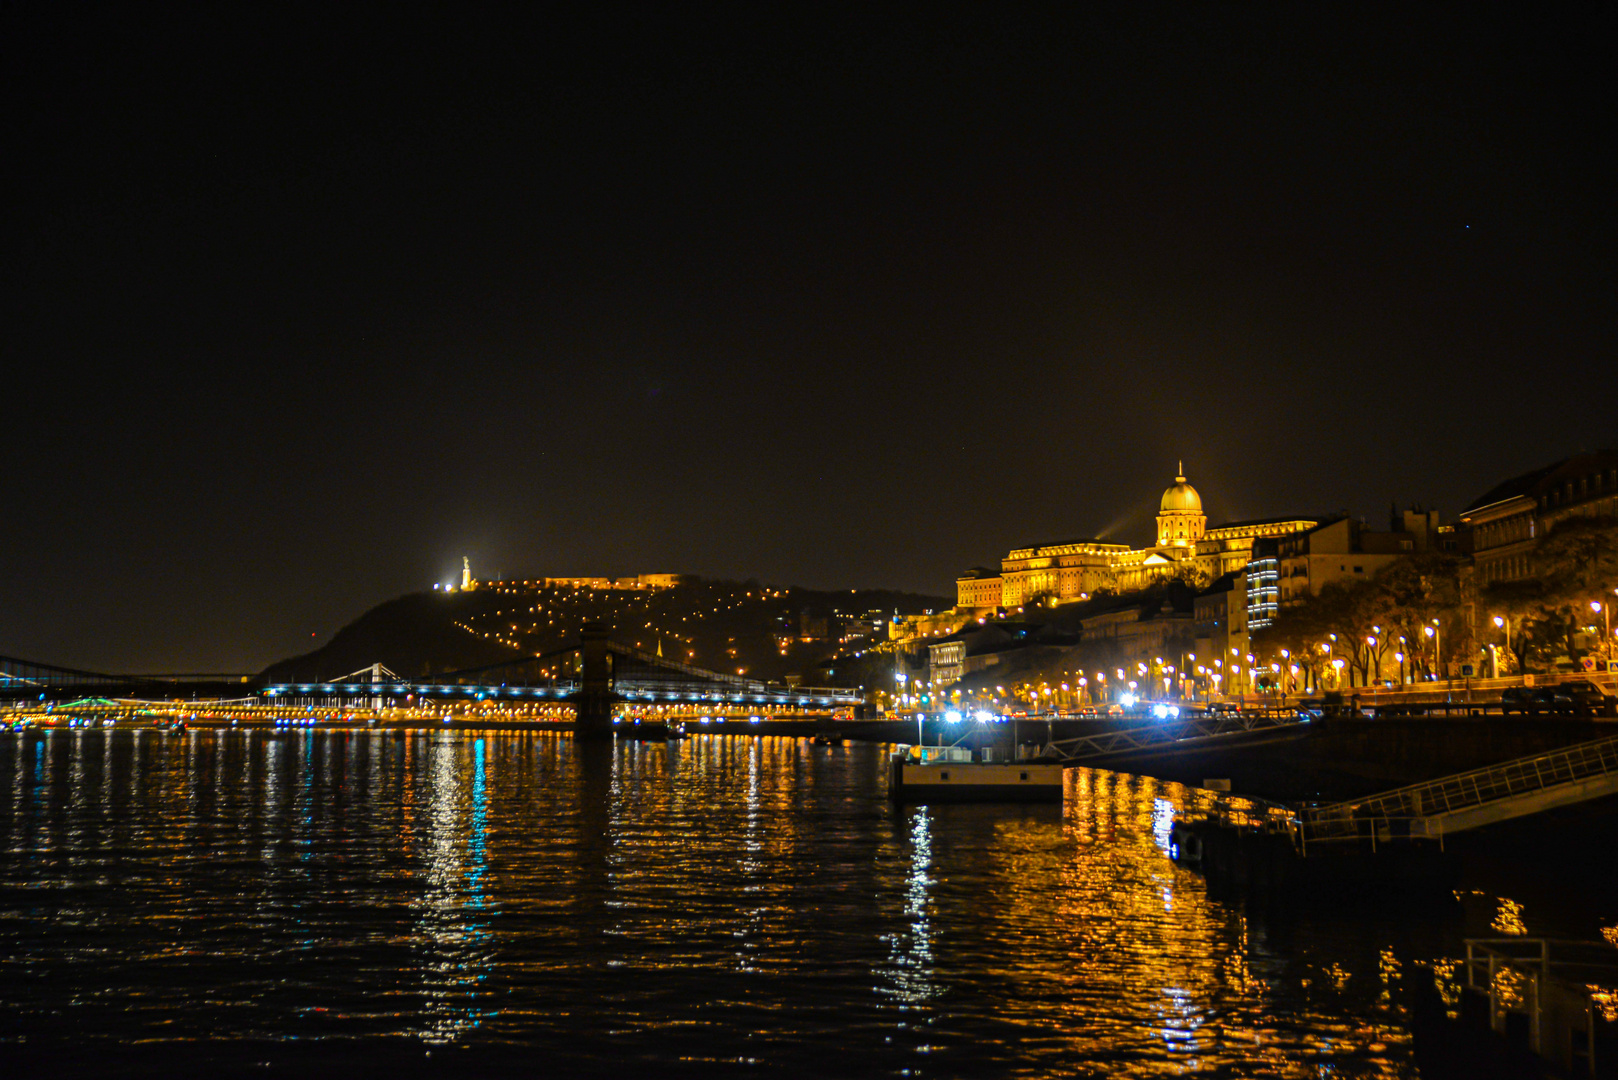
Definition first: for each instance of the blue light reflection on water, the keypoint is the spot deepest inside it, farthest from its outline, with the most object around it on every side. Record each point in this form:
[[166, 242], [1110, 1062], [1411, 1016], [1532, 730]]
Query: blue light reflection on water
[[720, 900], [476, 855]]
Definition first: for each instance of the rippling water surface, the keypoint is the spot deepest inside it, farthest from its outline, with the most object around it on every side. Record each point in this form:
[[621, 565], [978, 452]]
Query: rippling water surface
[[722, 904]]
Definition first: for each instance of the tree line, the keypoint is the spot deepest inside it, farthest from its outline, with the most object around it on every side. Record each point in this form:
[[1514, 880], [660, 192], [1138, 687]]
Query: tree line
[[1423, 611]]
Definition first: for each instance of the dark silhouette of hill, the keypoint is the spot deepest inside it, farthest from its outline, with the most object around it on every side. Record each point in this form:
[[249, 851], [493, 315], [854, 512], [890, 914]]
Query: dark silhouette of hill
[[764, 631], [414, 635]]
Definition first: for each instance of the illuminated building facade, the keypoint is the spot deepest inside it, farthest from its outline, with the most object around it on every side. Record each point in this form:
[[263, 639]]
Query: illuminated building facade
[[1502, 528], [978, 589], [1345, 550], [946, 662], [1221, 619], [1263, 578], [1185, 548]]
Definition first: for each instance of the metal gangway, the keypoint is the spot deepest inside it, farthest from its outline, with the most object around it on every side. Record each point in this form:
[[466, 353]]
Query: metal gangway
[[1470, 800], [1158, 733]]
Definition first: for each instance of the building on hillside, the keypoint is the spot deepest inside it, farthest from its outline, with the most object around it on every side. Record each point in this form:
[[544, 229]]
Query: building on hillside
[[906, 628], [1340, 550], [1077, 569], [641, 582], [1219, 618], [1263, 580], [946, 661], [661, 581], [980, 647], [1143, 633], [867, 629], [812, 628], [978, 590], [1502, 527]]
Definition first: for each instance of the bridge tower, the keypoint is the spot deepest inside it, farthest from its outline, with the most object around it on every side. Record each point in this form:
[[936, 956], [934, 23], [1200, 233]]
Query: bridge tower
[[595, 697]]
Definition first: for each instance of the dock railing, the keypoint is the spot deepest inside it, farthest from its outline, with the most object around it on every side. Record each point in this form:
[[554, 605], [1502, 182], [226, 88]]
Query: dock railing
[[1564, 989]]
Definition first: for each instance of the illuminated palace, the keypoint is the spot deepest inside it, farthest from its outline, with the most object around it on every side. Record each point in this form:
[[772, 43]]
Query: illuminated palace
[[1186, 548]]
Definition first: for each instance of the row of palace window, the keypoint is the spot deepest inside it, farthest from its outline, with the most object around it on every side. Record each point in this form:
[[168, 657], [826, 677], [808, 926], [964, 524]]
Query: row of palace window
[[1518, 527], [1517, 566], [1591, 484]]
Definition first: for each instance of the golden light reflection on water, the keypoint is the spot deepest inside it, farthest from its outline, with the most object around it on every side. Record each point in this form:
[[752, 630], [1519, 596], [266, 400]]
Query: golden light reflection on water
[[713, 899], [1508, 918], [1135, 963]]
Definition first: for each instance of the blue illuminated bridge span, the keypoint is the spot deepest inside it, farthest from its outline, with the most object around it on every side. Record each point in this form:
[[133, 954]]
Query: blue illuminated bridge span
[[594, 675]]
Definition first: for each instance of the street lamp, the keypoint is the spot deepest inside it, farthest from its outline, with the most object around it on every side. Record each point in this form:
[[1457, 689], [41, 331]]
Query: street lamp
[[1505, 624]]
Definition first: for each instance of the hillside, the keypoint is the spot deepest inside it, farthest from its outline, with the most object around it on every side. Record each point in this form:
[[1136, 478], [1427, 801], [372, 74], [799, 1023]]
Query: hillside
[[765, 631]]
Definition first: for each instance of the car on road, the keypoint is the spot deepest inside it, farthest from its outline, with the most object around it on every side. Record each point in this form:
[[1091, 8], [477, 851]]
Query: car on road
[[1535, 701], [1589, 699]]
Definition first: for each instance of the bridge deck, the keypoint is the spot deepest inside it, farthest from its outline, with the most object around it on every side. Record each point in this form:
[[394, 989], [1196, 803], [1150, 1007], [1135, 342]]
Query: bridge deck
[[661, 692], [1077, 751]]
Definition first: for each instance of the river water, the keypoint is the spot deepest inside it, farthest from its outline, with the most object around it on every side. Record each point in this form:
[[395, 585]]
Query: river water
[[266, 903]]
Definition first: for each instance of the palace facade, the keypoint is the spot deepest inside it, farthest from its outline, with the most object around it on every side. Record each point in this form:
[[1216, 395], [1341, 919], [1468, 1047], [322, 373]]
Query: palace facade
[[1186, 548]]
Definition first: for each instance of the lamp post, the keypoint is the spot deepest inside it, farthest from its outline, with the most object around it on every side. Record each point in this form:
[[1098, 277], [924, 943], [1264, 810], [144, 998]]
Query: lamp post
[[1606, 626], [1505, 624]]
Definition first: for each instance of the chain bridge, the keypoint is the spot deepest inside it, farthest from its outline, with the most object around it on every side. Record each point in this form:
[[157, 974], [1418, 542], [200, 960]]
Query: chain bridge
[[28, 680], [593, 676]]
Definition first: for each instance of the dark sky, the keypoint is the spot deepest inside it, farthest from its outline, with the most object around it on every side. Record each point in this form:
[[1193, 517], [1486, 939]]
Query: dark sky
[[306, 304]]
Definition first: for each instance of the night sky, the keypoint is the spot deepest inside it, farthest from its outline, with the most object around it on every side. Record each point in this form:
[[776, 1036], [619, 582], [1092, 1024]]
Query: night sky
[[304, 304]]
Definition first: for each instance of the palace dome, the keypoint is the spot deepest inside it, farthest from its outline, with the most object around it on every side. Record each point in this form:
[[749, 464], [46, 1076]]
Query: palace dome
[[1182, 496]]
